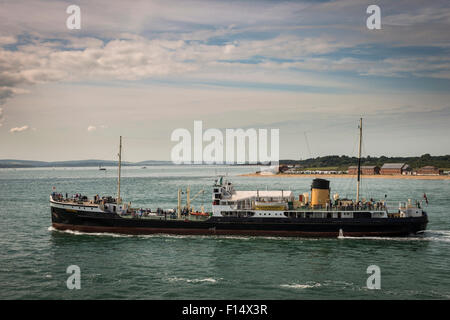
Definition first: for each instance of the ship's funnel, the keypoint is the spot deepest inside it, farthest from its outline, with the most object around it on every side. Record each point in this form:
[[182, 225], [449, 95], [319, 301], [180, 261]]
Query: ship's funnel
[[320, 193]]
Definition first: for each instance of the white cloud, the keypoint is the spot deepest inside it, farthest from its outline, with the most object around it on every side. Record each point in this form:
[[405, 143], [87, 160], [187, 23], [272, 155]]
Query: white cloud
[[139, 58], [7, 40], [19, 129], [86, 42], [92, 128]]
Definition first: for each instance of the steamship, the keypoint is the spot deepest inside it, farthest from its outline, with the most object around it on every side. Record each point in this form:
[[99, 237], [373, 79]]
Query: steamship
[[255, 213]]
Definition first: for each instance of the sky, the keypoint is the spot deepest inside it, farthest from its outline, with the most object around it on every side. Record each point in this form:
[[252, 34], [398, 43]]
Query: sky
[[142, 69]]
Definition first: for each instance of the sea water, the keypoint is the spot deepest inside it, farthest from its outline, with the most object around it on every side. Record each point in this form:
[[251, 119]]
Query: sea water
[[34, 257]]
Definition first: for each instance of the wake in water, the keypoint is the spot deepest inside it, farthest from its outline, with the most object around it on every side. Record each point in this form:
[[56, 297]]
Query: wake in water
[[171, 236], [428, 235], [101, 234], [300, 286], [156, 235], [211, 280], [326, 283]]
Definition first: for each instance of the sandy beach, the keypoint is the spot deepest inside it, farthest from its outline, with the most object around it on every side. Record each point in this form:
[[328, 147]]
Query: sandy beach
[[379, 176]]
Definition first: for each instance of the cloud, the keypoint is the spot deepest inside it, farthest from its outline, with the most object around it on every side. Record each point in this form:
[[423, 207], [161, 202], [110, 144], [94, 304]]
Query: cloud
[[92, 128], [428, 15], [102, 18], [151, 39], [5, 93], [7, 40], [139, 58], [19, 129], [267, 40]]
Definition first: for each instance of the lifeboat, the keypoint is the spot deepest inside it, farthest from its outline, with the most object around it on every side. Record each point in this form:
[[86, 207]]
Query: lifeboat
[[277, 206]]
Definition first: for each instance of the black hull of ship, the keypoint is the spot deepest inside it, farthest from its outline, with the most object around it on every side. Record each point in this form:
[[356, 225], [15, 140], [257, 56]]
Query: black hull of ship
[[301, 227]]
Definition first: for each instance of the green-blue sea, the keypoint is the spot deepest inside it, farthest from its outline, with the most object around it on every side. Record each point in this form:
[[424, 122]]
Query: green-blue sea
[[34, 257]]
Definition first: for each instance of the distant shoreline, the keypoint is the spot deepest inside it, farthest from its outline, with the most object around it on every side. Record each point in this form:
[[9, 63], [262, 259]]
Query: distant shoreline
[[378, 176]]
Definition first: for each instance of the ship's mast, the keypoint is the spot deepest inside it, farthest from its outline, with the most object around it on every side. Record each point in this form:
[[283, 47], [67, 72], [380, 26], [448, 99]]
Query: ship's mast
[[118, 180], [179, 204], [359, 160], [188, 199]]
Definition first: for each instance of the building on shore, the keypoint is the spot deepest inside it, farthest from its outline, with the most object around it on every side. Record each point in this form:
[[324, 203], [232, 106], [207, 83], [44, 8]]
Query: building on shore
[[395, 169], [368, 170], [429, 171]]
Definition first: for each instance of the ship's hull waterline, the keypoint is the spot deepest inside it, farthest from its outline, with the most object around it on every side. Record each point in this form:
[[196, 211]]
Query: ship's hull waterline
[[280, 227]]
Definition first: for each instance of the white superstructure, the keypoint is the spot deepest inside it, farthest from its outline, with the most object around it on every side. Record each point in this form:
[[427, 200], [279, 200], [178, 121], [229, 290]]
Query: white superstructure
[[228, 202], [72, 205]]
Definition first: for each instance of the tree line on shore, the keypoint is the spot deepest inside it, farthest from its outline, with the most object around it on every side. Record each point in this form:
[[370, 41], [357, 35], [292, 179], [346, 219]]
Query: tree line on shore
[[343, 162]]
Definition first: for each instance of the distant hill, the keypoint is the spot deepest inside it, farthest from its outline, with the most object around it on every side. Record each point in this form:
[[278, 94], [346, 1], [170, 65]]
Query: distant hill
[[343, 162], [152, 163], [334, 161], [13, 163], [9, 163]]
